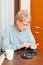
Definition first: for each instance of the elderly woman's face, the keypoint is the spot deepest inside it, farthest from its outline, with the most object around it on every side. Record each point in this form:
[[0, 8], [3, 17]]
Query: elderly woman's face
[[22, 24]]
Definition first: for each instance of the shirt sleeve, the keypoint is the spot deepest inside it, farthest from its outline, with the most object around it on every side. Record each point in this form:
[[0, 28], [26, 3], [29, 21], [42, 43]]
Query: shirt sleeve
[[31, 38], [6, 39]]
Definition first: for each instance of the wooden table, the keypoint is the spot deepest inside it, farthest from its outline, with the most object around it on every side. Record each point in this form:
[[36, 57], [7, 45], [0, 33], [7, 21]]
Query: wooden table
[[36, 60]]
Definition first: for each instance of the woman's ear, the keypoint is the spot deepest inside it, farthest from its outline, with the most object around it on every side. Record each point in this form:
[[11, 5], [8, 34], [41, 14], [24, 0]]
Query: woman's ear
[[18, 21]]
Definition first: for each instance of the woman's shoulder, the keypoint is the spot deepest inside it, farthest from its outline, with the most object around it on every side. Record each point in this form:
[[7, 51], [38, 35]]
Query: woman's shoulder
[[8, 28]]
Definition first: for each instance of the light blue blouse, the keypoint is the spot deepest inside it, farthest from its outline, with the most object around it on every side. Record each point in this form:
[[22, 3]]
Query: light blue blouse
[[12, 39]]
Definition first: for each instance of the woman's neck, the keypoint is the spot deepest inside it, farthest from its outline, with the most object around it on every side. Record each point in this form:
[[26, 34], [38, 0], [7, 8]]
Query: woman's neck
[[16, 27]]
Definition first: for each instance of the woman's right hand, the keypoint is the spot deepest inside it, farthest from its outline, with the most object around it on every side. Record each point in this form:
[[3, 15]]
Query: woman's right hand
[[25, 45]]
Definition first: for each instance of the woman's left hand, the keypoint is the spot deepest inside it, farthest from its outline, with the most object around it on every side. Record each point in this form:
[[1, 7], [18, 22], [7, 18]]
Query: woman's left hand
[[34, 46]]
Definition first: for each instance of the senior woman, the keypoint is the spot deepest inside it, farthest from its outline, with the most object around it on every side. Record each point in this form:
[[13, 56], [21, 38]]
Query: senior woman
[[19, 35]]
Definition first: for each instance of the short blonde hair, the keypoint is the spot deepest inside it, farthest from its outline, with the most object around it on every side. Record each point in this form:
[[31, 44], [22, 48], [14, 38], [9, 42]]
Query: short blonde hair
[[23, 15]]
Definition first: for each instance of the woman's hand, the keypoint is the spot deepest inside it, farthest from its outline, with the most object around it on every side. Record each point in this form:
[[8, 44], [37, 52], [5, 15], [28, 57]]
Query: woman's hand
[[25, 45], [33, 46]]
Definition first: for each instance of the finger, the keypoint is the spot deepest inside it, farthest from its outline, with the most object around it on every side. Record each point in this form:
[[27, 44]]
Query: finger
[[37, 44], [27, 47]]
